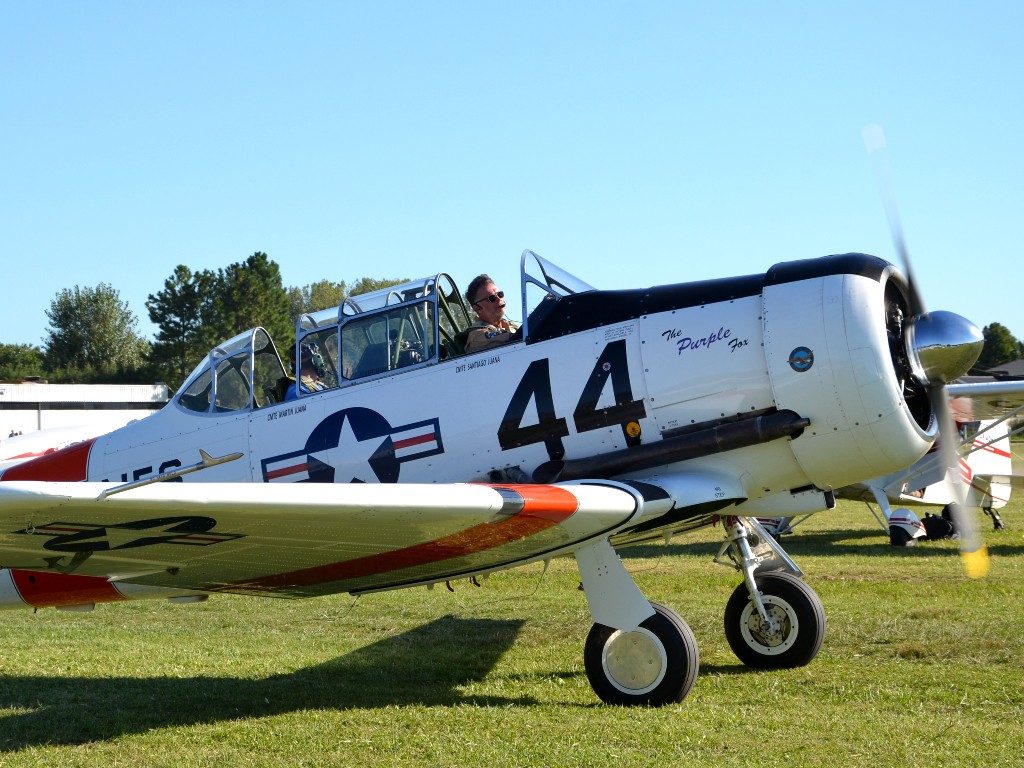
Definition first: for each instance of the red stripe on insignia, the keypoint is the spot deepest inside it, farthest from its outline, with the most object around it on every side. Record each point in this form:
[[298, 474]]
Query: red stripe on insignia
[[544, 506], [207, 539], [285, 471], [66, 465], [49, 590], [418, 440], [66, 528]]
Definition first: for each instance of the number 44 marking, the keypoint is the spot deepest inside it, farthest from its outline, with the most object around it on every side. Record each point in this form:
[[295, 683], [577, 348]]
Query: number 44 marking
[[550, 429]]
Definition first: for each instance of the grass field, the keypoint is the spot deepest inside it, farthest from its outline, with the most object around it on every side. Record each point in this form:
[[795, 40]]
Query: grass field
[[920, 667]]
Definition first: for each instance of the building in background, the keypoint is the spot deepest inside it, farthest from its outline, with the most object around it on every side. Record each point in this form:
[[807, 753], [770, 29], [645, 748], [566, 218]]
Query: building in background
[[30, 407]]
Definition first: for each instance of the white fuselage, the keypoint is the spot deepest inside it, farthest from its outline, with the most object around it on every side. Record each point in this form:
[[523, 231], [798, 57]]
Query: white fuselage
[[815, 346]]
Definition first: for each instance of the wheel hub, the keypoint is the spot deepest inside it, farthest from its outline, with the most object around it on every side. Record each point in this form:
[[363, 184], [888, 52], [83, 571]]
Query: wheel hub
[[771, 633], [634, 661]]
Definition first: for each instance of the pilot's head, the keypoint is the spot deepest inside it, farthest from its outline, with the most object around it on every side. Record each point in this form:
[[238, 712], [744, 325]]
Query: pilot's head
[[485, 299], [310, 358]]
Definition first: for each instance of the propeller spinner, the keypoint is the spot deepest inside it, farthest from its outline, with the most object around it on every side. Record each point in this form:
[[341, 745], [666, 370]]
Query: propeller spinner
[[941, 347]]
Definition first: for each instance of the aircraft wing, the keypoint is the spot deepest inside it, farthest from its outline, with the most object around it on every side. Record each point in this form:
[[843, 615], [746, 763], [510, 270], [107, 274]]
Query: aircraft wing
[[982, 398], [1016, 482], [301, 539]]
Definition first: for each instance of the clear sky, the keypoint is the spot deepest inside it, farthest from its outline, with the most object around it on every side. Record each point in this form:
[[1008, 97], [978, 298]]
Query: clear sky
[[632, 143]]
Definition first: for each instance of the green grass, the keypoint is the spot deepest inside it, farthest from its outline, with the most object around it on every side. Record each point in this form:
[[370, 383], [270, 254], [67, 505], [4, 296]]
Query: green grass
[[920, 667]]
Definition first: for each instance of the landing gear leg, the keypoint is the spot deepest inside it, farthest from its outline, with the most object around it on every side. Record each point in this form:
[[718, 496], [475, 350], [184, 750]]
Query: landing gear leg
[[638, 653], [997, 520], [773, 620]]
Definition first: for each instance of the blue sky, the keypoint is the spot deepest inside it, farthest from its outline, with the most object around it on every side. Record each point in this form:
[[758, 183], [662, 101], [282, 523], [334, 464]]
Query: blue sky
[[632, 143]]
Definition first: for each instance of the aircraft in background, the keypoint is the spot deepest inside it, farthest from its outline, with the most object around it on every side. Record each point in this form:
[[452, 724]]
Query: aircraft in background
[[984, 410], [611, 418], [20, 448]]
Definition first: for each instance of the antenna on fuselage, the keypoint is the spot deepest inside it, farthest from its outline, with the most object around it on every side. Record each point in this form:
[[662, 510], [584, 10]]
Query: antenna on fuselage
[[206, 462]]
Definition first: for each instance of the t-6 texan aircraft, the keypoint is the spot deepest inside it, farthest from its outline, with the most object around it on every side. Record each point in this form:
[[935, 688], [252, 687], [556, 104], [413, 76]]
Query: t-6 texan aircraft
[[609, 418]]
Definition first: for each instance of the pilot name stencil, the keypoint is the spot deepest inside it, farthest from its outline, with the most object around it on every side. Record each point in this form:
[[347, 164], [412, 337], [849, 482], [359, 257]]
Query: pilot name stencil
[[477, 364], [286, 412]]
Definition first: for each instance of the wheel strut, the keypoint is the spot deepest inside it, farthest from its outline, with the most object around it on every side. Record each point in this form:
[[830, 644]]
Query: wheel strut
[[764, 554]]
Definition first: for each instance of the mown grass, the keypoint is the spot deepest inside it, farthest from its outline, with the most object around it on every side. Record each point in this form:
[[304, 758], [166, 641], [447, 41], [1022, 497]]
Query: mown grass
[[920, 668]]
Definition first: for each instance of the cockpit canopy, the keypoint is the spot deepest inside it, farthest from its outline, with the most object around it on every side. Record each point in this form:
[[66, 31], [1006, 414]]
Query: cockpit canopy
[[415, 324]]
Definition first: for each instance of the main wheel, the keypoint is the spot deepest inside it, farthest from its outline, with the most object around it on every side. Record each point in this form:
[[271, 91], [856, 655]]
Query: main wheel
[[655, 664], [899, 537], [796, 632]]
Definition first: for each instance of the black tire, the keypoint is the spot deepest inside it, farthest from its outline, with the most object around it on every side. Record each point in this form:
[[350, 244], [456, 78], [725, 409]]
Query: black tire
[[656, 664], [797, 608], [899, 537]]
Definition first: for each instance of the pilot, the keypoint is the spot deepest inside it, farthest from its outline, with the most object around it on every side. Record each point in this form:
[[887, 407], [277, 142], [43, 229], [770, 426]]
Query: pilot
[[311, 368], [491, 328]]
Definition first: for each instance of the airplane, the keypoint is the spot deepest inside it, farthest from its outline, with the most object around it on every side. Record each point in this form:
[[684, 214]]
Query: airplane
[[612, 417], [983, 409], [20, 448]]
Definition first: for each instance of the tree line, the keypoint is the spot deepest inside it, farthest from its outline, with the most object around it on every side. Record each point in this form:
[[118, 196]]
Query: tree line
[[93, 337]]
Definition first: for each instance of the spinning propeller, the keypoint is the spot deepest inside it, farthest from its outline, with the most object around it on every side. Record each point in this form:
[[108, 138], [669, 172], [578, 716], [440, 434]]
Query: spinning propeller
[[940, 346]]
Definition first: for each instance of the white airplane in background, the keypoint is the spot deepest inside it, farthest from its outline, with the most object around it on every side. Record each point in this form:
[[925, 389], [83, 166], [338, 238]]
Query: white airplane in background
[[984, 410], [611, 418]]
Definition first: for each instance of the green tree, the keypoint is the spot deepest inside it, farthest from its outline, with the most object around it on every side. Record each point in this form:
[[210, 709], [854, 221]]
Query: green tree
[[314, 297], [325, 294], [1000, 347], [250, 293], [19, 361], [183, 314], [92, 337], [369, 284]]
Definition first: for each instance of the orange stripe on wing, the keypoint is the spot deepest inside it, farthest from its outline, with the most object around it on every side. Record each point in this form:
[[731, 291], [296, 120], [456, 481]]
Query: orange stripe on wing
[[544, 506]]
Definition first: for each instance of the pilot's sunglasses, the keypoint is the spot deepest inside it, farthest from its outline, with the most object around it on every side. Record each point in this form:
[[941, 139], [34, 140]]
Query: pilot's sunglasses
[[493, 297]]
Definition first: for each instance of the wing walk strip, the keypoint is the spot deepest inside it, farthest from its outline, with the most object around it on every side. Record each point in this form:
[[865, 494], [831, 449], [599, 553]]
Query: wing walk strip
[[543, 507]]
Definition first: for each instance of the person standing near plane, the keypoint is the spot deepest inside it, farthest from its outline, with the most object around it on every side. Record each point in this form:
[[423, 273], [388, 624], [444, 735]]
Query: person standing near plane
[[491, 328]]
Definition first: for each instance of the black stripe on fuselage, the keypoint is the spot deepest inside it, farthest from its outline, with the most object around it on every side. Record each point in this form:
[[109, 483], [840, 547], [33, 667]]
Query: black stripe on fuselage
[[593, 309]]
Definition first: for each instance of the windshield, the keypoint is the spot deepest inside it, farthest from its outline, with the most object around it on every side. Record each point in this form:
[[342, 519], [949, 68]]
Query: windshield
[[543, 284], [243, 372]]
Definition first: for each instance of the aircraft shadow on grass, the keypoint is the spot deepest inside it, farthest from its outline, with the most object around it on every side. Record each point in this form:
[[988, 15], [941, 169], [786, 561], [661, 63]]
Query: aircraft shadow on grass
[[425, 665]]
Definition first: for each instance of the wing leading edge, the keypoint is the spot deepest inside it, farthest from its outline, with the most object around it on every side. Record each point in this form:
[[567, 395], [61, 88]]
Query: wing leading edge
[[297, 540]]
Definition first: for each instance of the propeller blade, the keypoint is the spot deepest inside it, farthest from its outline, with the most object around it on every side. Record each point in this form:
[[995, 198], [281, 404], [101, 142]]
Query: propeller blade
[[942, 347], [973, 551], [874, 143]]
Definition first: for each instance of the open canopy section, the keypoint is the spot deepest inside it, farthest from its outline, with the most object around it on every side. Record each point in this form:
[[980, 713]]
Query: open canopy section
[[543, 284]]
